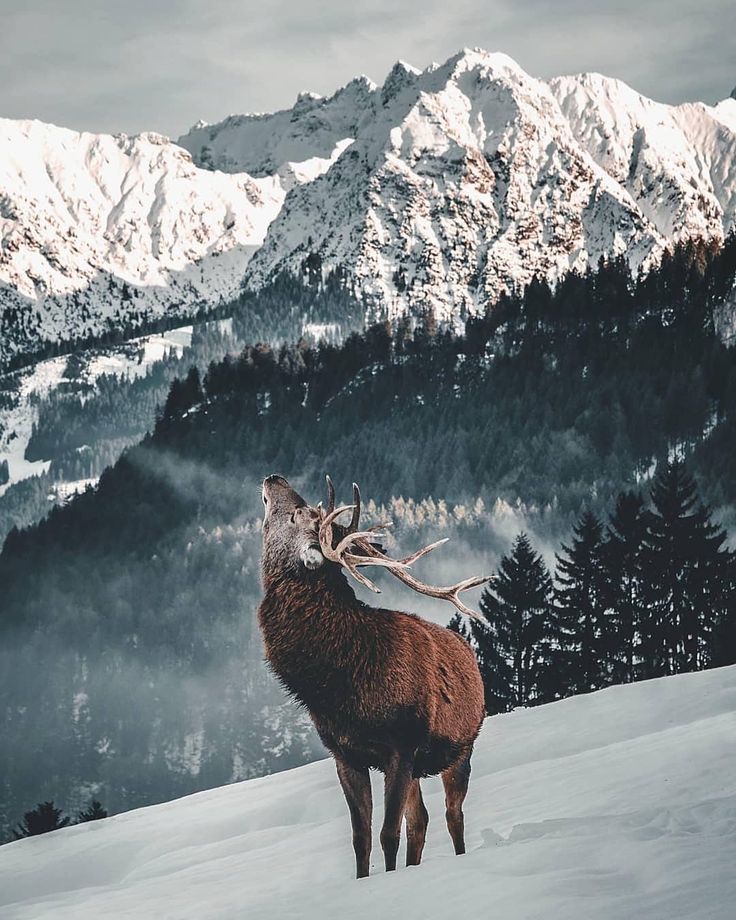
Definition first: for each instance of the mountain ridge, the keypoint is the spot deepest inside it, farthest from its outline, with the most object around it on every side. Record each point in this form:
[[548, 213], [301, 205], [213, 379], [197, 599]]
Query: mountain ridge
[[439, 190], [106, 230]]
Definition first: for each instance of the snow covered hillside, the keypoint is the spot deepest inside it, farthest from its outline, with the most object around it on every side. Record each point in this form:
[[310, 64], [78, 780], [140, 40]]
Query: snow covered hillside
[[617, 804], [298, 144], [676, 162], [26, 388]]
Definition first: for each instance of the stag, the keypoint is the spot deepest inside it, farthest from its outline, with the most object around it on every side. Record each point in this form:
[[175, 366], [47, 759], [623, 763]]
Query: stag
[[385, 690]]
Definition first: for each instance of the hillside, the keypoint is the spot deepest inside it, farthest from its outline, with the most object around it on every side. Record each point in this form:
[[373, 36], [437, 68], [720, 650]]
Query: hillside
[[616, 804]]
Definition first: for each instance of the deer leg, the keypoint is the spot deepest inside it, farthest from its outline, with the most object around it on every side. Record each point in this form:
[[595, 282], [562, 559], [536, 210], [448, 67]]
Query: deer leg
[[356, 784], [397, 783], [417, 819], [455, 780]]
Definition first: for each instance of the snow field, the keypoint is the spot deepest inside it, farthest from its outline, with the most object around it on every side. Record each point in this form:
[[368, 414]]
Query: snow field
[[616, 804]]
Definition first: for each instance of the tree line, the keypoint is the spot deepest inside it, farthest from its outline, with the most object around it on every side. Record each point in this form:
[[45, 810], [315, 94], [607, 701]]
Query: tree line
[[652, 592], [47, 817]]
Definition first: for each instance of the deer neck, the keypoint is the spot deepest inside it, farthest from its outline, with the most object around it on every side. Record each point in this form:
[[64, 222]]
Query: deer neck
[[312, 630]]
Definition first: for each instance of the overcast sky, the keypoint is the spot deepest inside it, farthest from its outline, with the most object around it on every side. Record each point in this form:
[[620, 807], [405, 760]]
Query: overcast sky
[[134, 65]]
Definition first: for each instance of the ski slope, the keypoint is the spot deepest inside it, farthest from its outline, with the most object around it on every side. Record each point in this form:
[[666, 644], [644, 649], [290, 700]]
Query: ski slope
[[618, 804]]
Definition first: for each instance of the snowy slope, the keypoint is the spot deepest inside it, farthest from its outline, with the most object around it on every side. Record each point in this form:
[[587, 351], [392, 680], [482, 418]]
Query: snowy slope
[[676, 162], [298, 144], [26, 388], [98, 229], [725, 112], [618, 804]]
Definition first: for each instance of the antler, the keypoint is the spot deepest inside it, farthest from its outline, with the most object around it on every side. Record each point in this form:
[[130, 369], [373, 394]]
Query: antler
[[370, 554]]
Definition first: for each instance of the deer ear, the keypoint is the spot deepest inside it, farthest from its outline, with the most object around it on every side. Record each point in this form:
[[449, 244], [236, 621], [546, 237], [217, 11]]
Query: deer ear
[[312, 557]]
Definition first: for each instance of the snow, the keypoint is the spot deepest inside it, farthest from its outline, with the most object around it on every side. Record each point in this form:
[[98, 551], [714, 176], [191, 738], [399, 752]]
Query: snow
[[725, 112], [64, 491], [617, 804], [16, 423], [297, 144], [675, 161], [321, 332], [466, 180]]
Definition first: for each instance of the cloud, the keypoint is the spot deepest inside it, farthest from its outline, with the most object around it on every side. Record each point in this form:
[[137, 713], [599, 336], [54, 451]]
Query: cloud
[[160, 66]]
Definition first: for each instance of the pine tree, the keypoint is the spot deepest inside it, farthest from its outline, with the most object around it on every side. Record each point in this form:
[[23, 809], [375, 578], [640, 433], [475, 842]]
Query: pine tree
[[581, 594], [622, 556], [512, 646], [687, 573], [183, 394], [44, 818], [192, 388], [457, 625], [93, 812]]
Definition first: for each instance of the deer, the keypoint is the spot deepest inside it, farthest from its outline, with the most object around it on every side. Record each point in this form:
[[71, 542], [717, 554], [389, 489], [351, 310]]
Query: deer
[[386, 690]]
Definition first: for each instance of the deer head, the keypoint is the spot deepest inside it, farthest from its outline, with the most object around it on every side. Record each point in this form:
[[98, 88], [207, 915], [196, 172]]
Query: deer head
[[290, 531], [299, 538]]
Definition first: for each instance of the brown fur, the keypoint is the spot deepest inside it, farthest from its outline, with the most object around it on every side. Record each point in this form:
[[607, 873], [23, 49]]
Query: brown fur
[[385, 689]]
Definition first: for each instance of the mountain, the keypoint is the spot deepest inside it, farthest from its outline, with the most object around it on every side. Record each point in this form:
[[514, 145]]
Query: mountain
[[297, 144], [102, 232], [471, 177], [585, 807], [676, 162], [439, 189], [467, 182]]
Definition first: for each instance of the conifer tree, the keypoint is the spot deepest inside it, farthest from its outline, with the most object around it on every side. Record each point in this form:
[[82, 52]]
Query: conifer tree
[[183, 394], [93, 812], [457, 625], [622, 556], [583, 661], [687, 576], [512, 647], [42, 819]]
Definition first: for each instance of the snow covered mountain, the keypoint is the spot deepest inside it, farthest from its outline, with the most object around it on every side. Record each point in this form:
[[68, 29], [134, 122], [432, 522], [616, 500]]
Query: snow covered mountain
[[676, 162], [471, 177], [440, 188], [616, 804], [297, 144], [467, 182], [98, 232]]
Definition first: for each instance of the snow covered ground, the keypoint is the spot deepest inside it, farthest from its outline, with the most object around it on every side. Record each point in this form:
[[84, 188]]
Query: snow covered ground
[[618, 804]]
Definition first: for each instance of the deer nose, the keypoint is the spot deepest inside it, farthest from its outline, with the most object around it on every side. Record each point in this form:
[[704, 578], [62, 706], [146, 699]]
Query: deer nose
[[273, 479]]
